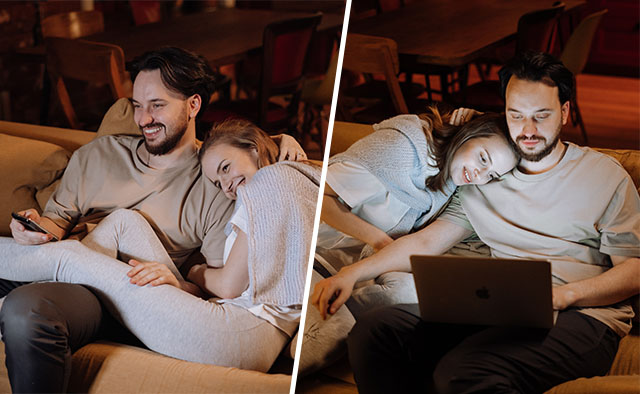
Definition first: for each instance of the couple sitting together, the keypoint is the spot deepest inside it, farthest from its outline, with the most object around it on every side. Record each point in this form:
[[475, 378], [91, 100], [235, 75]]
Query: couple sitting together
[[161, 197], [422, 184]]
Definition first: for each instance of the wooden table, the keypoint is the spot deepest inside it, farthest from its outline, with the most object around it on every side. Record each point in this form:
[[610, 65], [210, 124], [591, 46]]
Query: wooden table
[[451, 33], [222, 36]]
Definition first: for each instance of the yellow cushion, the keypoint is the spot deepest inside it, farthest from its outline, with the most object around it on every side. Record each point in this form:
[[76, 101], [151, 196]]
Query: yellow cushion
[[28, 166], [119, 120]]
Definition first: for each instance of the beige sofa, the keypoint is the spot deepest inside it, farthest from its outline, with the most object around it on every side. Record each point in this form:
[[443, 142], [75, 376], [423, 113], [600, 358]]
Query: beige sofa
[[624, 376], [31, 159]]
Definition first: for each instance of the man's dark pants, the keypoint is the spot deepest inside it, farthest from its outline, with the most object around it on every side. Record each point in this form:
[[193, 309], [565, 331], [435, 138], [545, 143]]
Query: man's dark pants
[[392, 350], [42, 325]]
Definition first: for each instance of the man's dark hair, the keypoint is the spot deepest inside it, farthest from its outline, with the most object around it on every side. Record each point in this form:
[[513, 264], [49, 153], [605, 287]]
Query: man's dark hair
[[539, 67], [181, 71]]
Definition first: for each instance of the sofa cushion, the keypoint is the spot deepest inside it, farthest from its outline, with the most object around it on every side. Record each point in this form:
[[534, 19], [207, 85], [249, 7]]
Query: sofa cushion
[[630, 160], [28, 166], [106, 367], [119, 120]]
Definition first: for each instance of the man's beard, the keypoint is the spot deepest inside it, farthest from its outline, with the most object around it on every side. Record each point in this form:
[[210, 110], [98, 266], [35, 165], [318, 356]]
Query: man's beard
[[169, 143], [535, 157]]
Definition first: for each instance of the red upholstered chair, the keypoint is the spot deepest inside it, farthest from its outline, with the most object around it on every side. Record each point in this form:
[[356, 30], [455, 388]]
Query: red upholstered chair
[[145, 11], [389, 5], [284, 54]]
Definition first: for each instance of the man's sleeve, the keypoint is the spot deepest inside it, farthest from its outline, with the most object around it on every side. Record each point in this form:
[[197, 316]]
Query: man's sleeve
[[455, 214], [63, 208], [619, 226]]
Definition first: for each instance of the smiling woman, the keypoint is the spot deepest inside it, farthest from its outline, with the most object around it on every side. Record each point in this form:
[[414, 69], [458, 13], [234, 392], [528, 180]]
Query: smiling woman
[[233, 151]]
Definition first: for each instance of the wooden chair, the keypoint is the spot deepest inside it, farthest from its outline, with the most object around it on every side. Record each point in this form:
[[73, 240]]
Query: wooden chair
[[316, 94], [373, 55], [536, 31], [73, 24], [575, 55], [85, 61]]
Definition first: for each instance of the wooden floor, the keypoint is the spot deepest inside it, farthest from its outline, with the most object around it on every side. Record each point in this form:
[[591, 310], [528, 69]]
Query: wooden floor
[[610, 107]]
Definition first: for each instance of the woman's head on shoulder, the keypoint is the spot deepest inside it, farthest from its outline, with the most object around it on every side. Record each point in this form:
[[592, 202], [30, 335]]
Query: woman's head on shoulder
[[472, 154], [233, 151]]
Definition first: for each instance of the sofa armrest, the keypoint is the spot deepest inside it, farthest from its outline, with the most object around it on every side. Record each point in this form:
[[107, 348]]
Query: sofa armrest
[[69, 139]]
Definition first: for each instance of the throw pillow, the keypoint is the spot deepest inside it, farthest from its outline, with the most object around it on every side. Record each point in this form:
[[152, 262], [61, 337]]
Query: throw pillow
[[119, 120], [28, 166]]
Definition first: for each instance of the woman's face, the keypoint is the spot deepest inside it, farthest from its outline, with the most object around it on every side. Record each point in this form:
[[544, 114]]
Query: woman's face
[[229, 167], [481, 160]]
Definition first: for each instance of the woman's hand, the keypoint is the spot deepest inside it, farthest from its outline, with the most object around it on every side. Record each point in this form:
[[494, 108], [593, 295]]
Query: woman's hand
[[384, 240], [290, 149], [331, 293], [462, 115], [154, 273]]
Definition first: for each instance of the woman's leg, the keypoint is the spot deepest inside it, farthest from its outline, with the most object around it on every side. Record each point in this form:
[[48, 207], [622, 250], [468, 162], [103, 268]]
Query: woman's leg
[[125, 235], [324, 341], [391, 288], [166, 319]]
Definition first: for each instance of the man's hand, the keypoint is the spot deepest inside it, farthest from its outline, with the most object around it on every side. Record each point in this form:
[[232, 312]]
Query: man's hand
[[562, 297], [290, 149], [154, 273], [462, 115], [26, 237], [331, 293]]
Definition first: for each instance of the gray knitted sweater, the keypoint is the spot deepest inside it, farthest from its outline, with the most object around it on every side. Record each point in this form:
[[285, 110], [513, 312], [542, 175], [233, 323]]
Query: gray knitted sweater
[[281, 203], [398, 155]]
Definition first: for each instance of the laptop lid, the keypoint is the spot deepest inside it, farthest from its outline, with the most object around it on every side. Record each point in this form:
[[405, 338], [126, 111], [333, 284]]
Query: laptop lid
[[484, 291]]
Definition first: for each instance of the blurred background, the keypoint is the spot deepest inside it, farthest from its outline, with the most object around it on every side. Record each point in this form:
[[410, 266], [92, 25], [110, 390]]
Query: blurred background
[[448, 53], [63, 63]]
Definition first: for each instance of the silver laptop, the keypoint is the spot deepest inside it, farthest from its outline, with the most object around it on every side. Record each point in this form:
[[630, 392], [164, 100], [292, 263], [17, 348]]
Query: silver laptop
[[484, 291]]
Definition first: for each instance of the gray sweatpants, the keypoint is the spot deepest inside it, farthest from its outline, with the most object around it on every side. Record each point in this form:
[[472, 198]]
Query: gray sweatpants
[[165, 318]]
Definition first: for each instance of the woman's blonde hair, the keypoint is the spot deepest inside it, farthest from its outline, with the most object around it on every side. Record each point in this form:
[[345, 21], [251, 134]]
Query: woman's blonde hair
[[241, 134], [445, 139]]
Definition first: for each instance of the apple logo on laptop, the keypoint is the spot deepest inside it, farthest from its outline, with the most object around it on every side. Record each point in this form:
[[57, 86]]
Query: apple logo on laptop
[[483, 293]]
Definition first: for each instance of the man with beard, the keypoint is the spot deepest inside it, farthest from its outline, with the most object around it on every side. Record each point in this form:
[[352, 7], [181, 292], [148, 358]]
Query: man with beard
[[567, 204], [158, 175]]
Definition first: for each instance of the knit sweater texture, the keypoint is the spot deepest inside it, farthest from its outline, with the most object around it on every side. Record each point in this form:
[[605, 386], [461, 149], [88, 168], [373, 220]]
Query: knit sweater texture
[[281, 203], [398, 154]]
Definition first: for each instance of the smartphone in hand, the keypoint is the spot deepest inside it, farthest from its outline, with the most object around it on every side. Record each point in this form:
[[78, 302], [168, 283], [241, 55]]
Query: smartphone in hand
[[32, 226]]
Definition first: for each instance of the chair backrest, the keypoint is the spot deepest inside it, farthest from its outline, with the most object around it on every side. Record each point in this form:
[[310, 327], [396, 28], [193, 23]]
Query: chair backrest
[[85, 61], [146, 11], [73, 24], [576, 51], [376, 55], [389, 5], [285, 46], [536, 29]]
